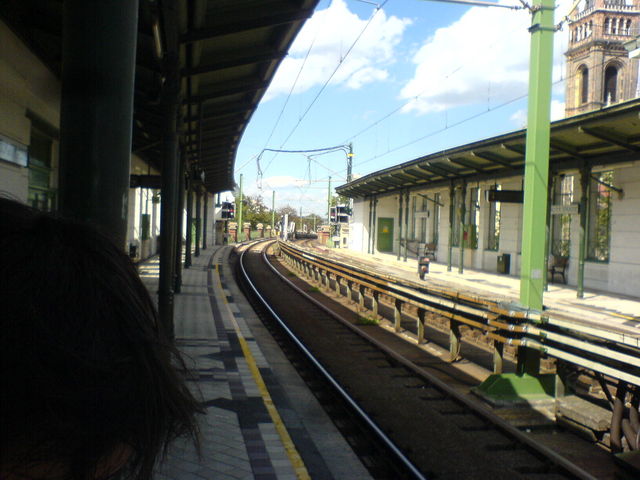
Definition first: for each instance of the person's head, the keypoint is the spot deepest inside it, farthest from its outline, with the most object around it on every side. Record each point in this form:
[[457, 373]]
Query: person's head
[[88, 380]]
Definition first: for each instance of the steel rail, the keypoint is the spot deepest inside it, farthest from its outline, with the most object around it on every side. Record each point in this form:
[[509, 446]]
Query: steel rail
[[361, 413], [510, 329], [485, 413]]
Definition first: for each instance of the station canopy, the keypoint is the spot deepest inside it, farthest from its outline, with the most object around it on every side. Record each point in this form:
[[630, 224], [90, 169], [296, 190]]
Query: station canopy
[[228, 54], [604, 137]]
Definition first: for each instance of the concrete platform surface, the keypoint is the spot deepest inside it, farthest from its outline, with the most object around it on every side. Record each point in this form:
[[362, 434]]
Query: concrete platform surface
[[261, 421]]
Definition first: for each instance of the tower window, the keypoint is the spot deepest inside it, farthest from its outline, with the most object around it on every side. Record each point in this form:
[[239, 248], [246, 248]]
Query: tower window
[[583, 83], [610, 84]]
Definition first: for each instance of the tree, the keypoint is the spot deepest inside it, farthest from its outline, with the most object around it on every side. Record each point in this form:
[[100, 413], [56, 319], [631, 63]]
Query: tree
[[339, 200], [288, 210], [254, 210]]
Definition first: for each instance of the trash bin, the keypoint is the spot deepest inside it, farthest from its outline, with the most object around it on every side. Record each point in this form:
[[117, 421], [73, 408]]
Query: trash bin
[[504, 263], [133, 250]]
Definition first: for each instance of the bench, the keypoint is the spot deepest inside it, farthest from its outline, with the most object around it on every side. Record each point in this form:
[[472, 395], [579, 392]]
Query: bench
[[559, 266]]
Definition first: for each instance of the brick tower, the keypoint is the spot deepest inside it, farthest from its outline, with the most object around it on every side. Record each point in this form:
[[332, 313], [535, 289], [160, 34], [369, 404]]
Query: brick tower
[[599, 71]]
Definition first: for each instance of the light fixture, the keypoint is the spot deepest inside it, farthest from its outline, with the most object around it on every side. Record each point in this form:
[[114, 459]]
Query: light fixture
[[157, 41]]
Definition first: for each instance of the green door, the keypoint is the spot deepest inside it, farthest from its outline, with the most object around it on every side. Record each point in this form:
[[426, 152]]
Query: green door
[[385, 234]]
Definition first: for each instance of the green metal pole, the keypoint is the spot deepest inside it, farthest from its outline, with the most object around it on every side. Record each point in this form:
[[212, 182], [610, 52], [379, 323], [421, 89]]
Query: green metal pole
[[452, 194], [463, 239], [198, 220], [370, 225], [350, 162], [375, 225], [188, 239], [537, 155], [273, 211], [406, 224], [585, 184], [400, 202], [240, 229], [329, 202]]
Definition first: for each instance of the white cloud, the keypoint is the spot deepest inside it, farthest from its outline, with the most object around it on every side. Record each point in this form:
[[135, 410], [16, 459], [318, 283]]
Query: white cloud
[[283, 181], [557, 110], [519, 118], [332, 31], [483, 56]]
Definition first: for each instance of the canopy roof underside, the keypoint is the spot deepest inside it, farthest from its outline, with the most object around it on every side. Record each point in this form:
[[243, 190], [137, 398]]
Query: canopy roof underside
[[608, 136], [228, 53]]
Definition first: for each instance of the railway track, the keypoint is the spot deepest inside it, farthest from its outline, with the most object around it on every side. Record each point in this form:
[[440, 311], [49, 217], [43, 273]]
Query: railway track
[[442, 434]]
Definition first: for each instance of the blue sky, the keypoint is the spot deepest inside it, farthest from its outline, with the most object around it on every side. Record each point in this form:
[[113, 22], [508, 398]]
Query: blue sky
[[424, 76]]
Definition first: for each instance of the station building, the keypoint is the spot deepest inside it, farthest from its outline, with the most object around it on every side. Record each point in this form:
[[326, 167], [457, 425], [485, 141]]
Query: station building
[[467, 202], [30, 103]]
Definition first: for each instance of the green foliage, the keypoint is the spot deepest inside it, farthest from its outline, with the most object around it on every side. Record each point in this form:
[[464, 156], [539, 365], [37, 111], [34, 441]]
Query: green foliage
[[367, 320], [314, 290], [254, 210], [339, 200]]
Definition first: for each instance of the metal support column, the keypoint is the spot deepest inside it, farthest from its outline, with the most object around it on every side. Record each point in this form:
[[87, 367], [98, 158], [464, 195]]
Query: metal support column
[[370, 230], [397, 315], [406, 224], [198, 220], [585, 187], [527, 380], [188, 239], [421, 319], [170, 170], [375, 227], [463, 233], [205, 214], [98, 69], [240, 229], [180, 223], [400, 203], [329, 203], [375, 301], [498, 356], [547, 237], [273, 212], [454, 340], [537, 155], [452, 209]]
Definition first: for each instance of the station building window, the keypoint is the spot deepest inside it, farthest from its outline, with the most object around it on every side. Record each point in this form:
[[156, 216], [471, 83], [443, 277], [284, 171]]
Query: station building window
[[561, 223], [610, 84], [599, 222], [41, 195], [582, 84], [493, 225]]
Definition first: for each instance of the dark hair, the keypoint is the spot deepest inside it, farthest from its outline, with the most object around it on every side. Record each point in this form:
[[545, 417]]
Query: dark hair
[[86, 368]]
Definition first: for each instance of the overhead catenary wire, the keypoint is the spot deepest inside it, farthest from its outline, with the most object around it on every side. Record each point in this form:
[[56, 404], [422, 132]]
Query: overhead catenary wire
[[340, 63], [465, 120]]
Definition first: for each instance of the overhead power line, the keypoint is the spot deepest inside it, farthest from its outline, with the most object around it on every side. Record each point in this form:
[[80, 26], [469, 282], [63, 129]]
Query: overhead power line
[[340, 63]]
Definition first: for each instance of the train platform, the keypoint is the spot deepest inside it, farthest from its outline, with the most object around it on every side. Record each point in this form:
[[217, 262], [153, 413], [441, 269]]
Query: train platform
[[604, 310], [261, 421]]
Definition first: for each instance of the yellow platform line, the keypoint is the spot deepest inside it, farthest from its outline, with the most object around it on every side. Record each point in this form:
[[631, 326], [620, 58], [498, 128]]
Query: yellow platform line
[[292, 452]]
